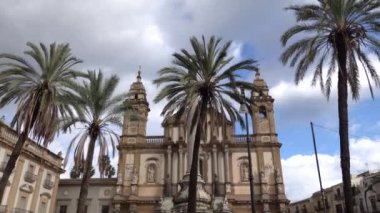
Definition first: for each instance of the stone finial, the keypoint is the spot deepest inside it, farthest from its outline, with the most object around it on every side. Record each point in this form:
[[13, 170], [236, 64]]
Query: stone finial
[[258, 75], [139, 75]]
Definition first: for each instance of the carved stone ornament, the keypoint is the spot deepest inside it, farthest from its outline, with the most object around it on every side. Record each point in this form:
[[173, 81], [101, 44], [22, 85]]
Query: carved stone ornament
[[26, 188], [107, 192], [45, 194]]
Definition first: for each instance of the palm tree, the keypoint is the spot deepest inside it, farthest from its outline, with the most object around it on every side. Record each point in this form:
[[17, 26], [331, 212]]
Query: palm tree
[[105, 167], [337, 35], [201, 84], [41, 92], [100, 111], [77, 170]]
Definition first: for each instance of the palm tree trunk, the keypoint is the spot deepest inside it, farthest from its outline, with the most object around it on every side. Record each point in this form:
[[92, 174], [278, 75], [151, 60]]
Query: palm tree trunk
[[81, 207], [12, 161], [343, 121], [192, 198]]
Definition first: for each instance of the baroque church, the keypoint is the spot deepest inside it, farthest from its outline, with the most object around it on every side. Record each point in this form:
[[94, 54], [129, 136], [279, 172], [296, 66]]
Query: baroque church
[[153, 170]]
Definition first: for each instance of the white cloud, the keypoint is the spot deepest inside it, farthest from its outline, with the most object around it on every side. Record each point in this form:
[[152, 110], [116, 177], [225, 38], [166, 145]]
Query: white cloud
[[303, 103], [300, 171]]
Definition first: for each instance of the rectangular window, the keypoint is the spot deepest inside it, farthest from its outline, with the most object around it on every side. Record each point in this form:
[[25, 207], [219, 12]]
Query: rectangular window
[[85, 209], [22, 202], [105, 209], [63, 209], [42, 208]]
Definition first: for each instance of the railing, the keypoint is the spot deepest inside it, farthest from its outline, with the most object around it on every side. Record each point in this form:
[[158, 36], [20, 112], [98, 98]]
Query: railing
[[3, 209], [3, 165], [241, 138], [30, 177], [160, 139], [48, 184], [8, 134], [19, 210], [154, 140]]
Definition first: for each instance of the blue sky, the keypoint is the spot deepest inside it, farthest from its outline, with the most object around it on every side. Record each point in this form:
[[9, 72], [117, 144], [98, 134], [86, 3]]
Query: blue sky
[[118, 36]]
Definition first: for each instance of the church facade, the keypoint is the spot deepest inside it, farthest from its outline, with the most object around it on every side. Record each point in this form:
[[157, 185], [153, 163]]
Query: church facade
[[152, 170]]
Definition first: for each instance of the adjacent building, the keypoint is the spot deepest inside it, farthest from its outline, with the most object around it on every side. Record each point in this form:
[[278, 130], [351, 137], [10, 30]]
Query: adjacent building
[[153, 170], [33, 185], [99, 198], [366, 192]]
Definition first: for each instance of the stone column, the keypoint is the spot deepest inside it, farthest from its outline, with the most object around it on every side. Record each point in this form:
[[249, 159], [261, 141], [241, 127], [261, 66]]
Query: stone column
[[214, 160], [227, 169], [169, 164], [168, 176], [120, 172], [37, 188], [226, 164], [180, 166], [215, 176]]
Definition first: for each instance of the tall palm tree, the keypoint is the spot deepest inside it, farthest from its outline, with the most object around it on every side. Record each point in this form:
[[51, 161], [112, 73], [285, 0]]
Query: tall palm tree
[[336, 35], [200, 84], [41, 92], [100, 111]]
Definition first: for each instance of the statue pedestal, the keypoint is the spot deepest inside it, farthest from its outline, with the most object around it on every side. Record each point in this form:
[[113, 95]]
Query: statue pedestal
[[166, 205], [181, 198], [220, 205]]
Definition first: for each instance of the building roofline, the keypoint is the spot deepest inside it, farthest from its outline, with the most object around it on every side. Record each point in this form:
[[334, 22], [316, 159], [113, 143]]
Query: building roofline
[[92, 181], [2, 123]]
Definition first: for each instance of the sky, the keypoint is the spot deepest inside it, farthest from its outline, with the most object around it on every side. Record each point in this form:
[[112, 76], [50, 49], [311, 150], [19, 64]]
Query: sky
[[118, 36]]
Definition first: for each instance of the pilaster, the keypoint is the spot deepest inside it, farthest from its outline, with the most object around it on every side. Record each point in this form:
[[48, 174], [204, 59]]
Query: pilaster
[[36, 193]]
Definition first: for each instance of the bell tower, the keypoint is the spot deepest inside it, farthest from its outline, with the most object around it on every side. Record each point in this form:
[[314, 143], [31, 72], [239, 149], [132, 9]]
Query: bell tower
[[262, 108], [267, 148], [133, 136], [134, 129]]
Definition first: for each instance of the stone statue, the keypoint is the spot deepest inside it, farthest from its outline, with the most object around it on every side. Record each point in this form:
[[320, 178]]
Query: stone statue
[[245, 172], [224, 206], [135, 177], [262, 177], [151, 174]]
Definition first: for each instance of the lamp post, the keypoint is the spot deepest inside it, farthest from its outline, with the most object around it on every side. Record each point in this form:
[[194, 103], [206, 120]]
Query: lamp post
[[243, 109], [319, 173]]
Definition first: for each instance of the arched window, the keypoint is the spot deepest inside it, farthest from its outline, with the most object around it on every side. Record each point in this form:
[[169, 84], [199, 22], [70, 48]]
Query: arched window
[[262, 112]]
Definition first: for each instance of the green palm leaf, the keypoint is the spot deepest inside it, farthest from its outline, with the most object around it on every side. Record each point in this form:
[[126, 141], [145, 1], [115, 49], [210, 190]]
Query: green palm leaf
[[202, 82], [41, 94], [336, 35]]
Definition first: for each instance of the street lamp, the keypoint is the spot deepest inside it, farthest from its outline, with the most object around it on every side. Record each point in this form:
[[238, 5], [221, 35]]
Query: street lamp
[[243, 109]]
